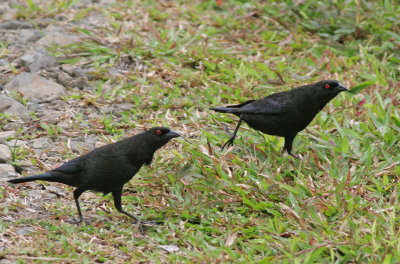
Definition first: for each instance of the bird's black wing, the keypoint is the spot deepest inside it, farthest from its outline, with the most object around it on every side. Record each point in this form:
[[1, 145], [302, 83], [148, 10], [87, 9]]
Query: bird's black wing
[[273, 104]]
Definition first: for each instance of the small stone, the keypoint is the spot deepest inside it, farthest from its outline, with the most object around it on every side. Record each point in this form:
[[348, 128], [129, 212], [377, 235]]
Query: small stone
[[68, 69], [39, 143], [13, 126], [16, 143], [3, 62], [5, 153], [15, 24], [37, 60], [6, 169], [50, 196], [7, 134], [29, 35], [52, 117], [65, 79], [79, 72], [10, 14], [169, 248], [10, 105], [54, 189], [57, 36], [24, 230], [25, 164], [79, 146], [33, 86], [34, 194], [65, 124]]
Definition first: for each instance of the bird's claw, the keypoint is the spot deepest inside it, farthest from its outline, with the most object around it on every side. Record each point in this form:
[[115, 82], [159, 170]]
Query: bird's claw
[[229, 143], [296, 157]]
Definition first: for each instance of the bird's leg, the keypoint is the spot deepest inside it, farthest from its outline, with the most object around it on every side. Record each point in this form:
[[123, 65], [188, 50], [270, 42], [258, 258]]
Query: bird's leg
[[288, 146], [78, 193], [230, 141], [118, 206]]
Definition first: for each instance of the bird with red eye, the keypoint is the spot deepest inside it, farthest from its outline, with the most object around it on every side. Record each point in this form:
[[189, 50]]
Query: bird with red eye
[[286, 113], [108, 168]]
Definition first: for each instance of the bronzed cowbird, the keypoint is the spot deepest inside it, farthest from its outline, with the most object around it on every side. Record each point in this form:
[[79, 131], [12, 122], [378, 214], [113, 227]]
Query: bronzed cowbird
[[285, 113], [107, 168]]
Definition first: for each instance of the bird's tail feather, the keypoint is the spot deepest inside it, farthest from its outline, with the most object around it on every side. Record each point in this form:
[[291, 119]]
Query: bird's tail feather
[[43, 177], [222, 109], [231, 108]]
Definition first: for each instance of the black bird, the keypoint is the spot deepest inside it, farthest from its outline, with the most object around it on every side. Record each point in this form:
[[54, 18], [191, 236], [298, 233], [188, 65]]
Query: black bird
[[286, 113], [108, 168]]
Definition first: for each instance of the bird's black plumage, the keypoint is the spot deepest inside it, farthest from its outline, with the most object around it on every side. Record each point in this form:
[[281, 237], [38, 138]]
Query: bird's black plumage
[[108, 168], [285, 113]]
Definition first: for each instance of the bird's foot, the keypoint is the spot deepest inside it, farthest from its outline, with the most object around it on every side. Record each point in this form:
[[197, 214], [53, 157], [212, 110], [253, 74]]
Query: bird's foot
[[296, 157], [229, 143]]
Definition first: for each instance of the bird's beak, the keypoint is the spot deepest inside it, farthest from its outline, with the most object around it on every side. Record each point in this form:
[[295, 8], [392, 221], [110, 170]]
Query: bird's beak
[[342, 88], [172, 134]]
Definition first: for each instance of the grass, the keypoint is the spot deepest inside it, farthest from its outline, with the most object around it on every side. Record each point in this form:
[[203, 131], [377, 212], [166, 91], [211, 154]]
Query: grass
[[250, 203]]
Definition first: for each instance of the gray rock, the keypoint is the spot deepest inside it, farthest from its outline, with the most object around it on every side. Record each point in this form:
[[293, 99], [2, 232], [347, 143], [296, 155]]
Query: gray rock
[[3, 62], [24, 230], [50, 196], [83, 145], [65, 79], [79, 146], [33, 86], [26, 165], [68, 81], [16, 143], [79, 72], [5, 153], [57, 36], [29, 35], [7, 134], [40, 143], [10, 105], [54, 189], [6, 170], [68, 69], [7, 13], [52, 117], [34, 194], [36, 60], [13, 125], [169, 248], [15, 24], [65, 124]]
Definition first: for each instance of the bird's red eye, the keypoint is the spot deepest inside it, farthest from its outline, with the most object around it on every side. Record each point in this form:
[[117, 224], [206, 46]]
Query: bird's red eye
[[159, 132], [327, 86]]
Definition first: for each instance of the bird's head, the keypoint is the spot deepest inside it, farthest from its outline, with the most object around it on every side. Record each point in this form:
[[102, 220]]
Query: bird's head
[[324, 91], [330, 87], [160, 136]]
